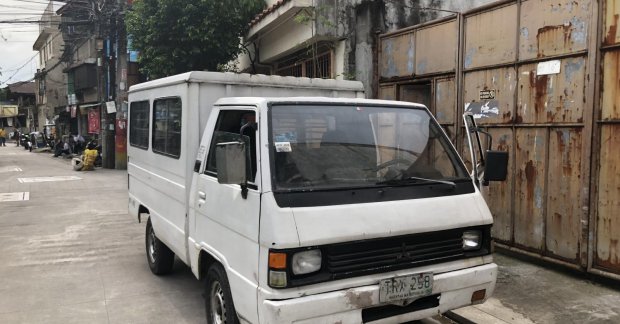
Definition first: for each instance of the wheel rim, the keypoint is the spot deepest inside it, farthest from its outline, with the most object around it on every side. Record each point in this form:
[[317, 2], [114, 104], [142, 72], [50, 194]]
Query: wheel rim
[[152, 252], [218, 305]]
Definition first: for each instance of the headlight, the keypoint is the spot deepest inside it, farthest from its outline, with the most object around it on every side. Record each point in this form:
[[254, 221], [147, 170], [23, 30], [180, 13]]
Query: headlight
[[306, 262], [471, 240]]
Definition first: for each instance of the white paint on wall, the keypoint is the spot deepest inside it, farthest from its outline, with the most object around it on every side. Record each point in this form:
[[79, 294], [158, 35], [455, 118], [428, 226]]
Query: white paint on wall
[[339, 60]]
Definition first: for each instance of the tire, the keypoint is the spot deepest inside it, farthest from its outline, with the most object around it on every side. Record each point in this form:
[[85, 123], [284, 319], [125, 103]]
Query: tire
[[218, 299], [158, 255]]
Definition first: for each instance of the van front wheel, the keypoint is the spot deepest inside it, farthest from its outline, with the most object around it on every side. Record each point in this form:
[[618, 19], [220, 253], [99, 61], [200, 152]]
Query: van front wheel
[[218, 299], [158, 255]]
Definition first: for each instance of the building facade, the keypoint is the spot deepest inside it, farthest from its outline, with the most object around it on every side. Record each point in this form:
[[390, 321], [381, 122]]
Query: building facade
[[51, 81], [541, 75], [333, 38], [19, 110]]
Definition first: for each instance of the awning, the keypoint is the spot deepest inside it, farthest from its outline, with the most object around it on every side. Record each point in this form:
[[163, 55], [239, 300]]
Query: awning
[[90, 105]]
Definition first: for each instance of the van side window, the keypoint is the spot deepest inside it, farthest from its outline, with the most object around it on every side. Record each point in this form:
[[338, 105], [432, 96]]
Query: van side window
[[239, 122], [139, 124], [167, 127]]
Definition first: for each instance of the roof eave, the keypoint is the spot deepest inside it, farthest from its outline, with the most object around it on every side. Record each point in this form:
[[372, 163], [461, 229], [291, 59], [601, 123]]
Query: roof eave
[[272, 17]]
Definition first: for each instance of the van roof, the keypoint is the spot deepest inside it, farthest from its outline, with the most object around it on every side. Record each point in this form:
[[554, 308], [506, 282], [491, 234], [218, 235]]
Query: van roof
[[309, 100], [249, 79]]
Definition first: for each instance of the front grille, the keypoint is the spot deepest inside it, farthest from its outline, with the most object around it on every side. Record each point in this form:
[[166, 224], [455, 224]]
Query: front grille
[[393, 253]]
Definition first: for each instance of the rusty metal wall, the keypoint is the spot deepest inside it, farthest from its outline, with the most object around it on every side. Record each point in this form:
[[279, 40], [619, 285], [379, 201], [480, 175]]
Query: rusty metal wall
[[543, 76], [503, 82], [551, 28], [491, 45], [443, 105], [607, 232], [397, 53], [433, 56], [537, 117]]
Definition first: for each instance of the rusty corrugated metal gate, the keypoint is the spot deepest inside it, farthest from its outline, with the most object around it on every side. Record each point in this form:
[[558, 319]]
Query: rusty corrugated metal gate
[[544, 78]]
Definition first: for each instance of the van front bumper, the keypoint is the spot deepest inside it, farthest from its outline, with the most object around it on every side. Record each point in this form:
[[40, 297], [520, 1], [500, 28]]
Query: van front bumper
[[454, 289]]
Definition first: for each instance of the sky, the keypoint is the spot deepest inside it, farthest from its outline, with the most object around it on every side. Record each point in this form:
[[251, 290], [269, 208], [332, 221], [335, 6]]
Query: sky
[[18, 31]]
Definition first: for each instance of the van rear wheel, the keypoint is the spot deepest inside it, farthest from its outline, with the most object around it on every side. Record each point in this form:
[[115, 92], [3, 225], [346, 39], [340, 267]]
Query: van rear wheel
[[158, 255], [218, 299]]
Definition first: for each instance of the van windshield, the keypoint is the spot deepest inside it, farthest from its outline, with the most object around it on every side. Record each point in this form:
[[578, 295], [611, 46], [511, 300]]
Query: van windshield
[[344, 146]]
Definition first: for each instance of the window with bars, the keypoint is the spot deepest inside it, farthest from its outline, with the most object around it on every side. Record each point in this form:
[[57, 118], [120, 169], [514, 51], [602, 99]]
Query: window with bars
[[304, 66]]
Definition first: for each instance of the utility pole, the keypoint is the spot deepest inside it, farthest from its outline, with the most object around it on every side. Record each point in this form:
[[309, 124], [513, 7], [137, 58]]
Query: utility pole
[[121, 90], [105, 35]]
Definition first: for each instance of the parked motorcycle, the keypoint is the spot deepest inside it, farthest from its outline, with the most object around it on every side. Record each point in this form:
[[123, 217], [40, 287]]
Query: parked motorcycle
[[25, 141]]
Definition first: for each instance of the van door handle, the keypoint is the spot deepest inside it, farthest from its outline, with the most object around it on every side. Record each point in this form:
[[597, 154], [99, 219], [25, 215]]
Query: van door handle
[[202, 195]]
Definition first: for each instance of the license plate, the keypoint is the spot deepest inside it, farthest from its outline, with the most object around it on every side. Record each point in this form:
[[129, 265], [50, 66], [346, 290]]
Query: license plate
[[405, 287]]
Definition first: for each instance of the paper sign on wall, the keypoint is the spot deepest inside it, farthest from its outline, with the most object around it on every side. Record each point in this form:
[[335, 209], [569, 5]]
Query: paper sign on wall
[[111, 106], [549, 67]]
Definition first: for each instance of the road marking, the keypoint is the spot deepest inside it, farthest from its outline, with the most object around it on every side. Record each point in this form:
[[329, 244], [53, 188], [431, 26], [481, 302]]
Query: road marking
[[48, 179], [14, 196], [10, 169]]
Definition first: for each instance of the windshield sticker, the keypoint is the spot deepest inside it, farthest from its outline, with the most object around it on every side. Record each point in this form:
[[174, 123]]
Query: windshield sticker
[[283, 147], [201, 153], [286, 137]]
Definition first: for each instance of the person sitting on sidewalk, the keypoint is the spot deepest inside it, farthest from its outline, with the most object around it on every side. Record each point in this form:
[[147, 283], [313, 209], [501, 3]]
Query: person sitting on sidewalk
[[78, 145], [62, 149], [87, 161]]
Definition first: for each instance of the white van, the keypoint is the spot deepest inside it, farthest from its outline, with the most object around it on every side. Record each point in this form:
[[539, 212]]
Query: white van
[[309, 209]]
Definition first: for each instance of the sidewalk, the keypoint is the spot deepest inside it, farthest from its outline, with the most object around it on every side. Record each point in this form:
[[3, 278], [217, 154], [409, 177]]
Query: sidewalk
[[530, 293]]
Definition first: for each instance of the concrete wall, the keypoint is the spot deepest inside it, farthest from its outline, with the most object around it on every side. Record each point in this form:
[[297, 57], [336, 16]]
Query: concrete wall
[[363, 20], [352, 26]]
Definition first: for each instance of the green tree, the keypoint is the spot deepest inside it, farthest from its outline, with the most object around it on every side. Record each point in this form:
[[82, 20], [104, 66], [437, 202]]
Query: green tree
[[175, 36]]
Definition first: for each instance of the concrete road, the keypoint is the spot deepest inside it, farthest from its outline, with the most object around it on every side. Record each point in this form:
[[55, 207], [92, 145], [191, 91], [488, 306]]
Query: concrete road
[[70, 253]]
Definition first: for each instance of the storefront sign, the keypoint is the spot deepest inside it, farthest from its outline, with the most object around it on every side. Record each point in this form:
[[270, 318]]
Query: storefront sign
[[94, 122], [8, 110]]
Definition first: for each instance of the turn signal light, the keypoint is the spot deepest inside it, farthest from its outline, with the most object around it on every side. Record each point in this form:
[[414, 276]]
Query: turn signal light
[[277, 260]]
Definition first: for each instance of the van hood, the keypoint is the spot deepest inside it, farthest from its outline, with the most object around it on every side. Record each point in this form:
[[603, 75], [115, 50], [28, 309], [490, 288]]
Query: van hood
[[343, 223]]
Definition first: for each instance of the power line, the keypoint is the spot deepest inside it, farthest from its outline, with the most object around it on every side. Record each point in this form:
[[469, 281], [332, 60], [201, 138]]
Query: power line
[[34, 1], [18, 69], [20, 7]]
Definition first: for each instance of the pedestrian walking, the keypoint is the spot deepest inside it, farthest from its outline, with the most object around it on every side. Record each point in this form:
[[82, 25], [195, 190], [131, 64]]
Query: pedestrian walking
[[2, 136], [17, 136]]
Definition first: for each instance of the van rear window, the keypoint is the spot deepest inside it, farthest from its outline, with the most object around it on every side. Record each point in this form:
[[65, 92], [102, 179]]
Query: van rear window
[[167, 127], [139, 124]]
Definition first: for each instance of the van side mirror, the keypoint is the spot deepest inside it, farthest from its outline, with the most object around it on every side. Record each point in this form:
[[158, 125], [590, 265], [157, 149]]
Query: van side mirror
[[496, 167], [493, 165], [230, 158]]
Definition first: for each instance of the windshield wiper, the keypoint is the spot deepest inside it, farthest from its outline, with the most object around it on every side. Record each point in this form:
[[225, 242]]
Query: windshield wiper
[[409, 180]]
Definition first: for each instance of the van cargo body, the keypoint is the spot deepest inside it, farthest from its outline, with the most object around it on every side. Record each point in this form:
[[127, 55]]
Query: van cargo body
[[305, 208], [159, 180]]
